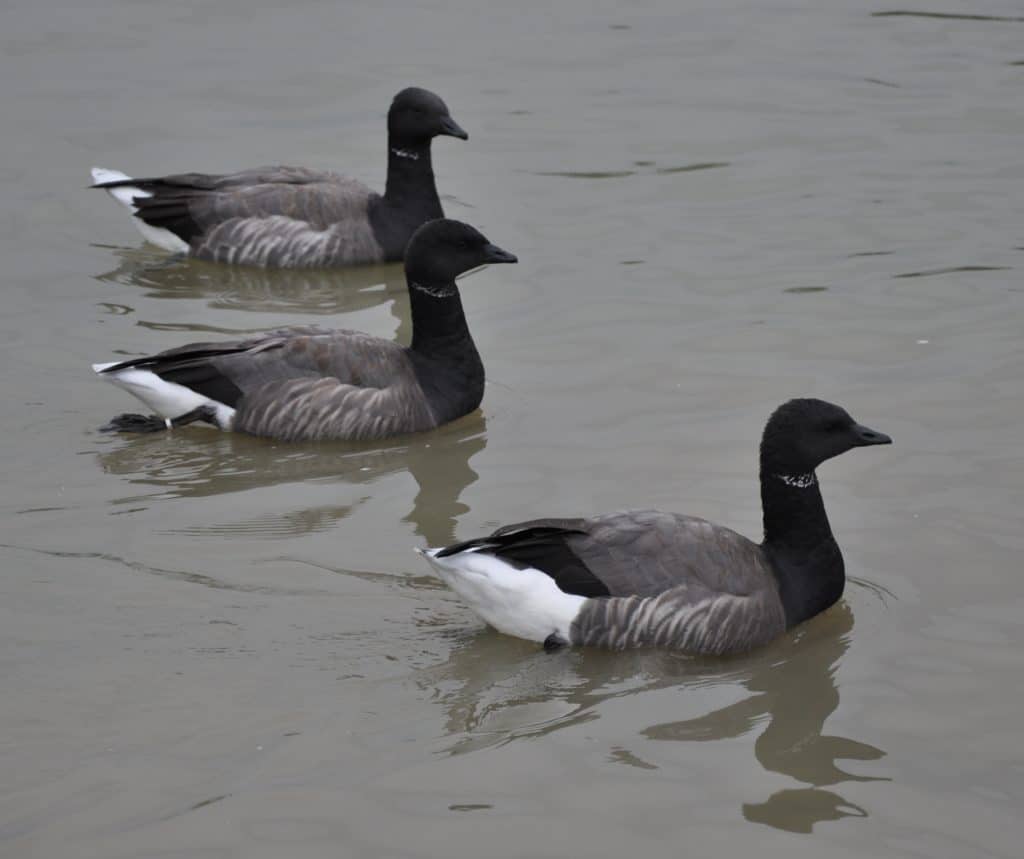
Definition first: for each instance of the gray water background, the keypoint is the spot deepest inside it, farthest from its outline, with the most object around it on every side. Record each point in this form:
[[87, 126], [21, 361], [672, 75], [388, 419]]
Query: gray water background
[[216, 646]]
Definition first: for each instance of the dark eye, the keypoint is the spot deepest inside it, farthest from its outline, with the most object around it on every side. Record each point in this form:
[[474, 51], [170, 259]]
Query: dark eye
[[835, 426]]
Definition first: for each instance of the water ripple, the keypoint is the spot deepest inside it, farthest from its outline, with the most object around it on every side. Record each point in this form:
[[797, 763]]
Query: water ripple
[[946, 16], [620, 174], [952, 270]]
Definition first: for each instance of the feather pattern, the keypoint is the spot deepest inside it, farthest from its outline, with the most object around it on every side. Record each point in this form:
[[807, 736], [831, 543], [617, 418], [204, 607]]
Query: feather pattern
[[671, 581], [688, 618], [303, 383], [283, 217], [652, 578], [294, 217], [307, 383]]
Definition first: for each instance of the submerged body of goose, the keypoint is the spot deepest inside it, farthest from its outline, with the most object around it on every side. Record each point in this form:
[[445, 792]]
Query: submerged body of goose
[[649, 578], [294, 217], [313, 383]]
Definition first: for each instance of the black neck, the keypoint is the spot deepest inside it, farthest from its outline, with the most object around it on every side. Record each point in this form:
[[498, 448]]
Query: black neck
[[444, 355], [410, 179], [798, 541], [437, 316]]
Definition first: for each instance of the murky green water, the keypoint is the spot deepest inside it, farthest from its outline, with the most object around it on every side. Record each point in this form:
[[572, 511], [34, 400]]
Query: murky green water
[[217, 646]]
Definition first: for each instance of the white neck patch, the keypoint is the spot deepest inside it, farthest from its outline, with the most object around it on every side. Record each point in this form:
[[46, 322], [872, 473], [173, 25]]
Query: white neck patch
[[434, 291], [799, 481], [405, 153]]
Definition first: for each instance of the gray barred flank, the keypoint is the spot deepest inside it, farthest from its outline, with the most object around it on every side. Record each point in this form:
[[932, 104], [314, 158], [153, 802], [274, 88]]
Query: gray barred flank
[[279, 241], [285, 217], [320, 409], [713, 624]]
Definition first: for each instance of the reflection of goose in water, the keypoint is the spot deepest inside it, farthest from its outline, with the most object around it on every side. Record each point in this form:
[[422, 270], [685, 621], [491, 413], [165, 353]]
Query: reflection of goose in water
[[505, 695], [275, 291], [196, 465], [797, 694]]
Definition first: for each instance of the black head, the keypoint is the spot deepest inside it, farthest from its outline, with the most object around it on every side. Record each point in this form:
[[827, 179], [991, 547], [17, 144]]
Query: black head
[[802, 434], [441, 250], [417, 116]]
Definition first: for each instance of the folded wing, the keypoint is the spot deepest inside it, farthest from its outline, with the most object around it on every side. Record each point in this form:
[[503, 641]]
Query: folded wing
[[303, 383]]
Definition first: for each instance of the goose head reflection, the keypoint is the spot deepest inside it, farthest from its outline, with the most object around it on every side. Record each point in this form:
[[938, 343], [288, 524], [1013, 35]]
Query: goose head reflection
[[496, 690], [195, 463]]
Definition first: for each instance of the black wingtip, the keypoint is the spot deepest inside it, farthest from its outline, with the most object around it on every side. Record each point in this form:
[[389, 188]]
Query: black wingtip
[[455, 548]]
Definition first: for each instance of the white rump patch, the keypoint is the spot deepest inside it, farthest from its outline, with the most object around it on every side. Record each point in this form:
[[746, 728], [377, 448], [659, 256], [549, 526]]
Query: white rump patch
[[168, 399], [126, 195], [525, 602]]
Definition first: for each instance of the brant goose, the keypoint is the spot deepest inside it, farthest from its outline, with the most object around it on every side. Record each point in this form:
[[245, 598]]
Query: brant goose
[[293, 217], [648, 578], [312, 383]]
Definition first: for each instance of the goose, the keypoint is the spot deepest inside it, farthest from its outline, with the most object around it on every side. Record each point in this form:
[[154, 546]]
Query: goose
[[640, 578], [309, 383], [294, 217]]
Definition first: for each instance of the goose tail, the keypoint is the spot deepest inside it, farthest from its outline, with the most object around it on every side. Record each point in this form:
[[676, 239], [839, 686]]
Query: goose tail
[[520, 601], [168, 399], [119, 186]]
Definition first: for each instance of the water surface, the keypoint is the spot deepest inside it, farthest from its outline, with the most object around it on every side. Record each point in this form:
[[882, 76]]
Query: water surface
[[218, 646]]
